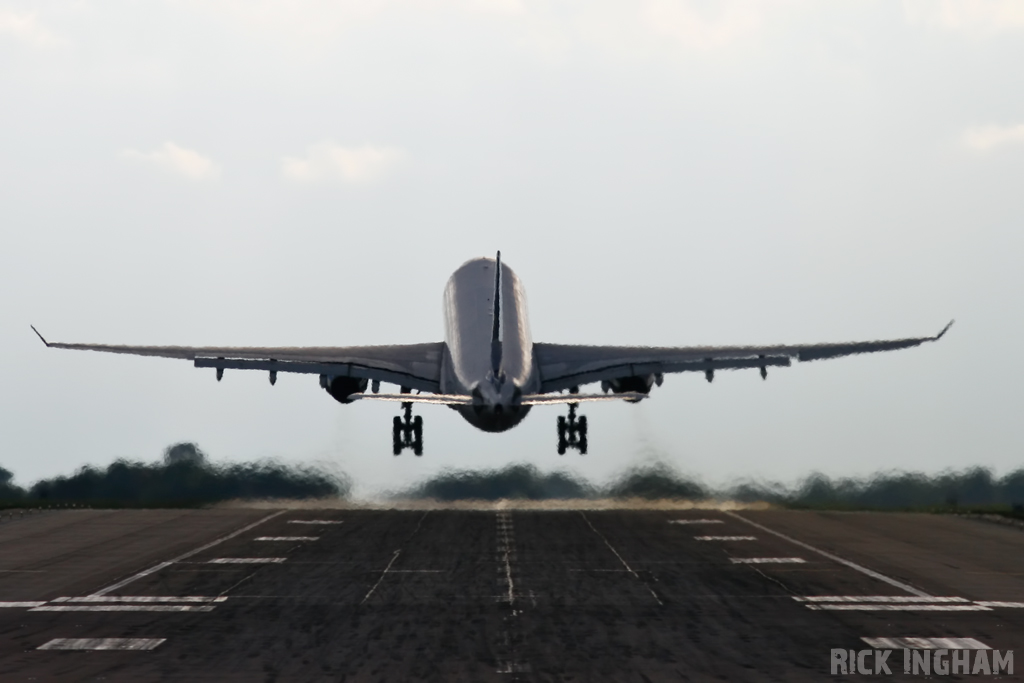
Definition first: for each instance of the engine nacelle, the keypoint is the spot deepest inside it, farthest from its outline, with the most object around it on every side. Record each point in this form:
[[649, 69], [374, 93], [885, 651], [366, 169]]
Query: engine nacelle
[[341, 388], [640, 384]]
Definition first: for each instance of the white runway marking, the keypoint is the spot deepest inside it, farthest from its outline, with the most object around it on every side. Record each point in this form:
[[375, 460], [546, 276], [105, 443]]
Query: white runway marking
[[152, 570], [999, 603], [695, 521], [767, 560], [140, 599], [875, 598], [32, 603], [382, 575], [287, 538], [123, 608], [102, 644], [247, 560], [926, 644], [506, 549], [835, 558], [901, 608], [315, 521], [725, 538]]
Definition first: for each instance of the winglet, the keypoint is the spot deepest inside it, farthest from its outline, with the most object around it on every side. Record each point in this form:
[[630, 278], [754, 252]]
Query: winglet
[[43, 339], [944, 330]]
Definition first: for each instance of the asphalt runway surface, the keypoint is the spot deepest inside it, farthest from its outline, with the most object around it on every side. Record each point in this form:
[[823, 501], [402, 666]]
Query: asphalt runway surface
[[514, 595]]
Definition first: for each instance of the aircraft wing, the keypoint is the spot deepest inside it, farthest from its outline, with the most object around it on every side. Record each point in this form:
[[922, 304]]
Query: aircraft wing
[[563, 366], [417, 366]]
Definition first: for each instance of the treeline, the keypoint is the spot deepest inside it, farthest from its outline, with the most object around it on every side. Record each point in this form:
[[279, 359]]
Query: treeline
[[184, 477], [976, 487]]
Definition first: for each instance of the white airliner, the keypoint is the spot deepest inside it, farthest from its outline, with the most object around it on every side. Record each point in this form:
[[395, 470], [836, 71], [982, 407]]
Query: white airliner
[[489, 368]]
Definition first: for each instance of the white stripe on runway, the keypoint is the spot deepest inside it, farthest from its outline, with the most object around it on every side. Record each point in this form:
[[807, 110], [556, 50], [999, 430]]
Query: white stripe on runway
[[926, 644], [315, 521], [140, 598], [246, 560], [288, 538], [725, 538], [34, 603], [835, 558], [695, 521], [123, 608], [767, 560], [875, 598], [101, 644], [902, 608], [152, 570], [998, 603]]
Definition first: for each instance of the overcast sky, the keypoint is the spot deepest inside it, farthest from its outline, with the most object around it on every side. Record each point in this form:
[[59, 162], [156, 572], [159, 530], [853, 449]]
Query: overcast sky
[[665, 172]]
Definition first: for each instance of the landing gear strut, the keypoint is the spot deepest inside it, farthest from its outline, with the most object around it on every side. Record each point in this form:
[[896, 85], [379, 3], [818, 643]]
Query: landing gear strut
[[572, 431], [407, 432]]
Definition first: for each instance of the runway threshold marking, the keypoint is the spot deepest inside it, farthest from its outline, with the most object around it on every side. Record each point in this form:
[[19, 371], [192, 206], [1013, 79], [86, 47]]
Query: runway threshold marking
[[767, 560], [725, 538], [163, 565], [835, 558], [926, 644], [140, 644], [624, 563]]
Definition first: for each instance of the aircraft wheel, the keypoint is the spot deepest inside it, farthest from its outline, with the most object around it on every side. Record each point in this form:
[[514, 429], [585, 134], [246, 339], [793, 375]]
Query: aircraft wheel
[[396, 436], [417, 435], [562, 443]]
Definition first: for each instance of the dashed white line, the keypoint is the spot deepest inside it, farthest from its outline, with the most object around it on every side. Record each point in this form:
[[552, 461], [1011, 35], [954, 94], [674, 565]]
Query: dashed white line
[[695, 521], [926, 644], [246, 560], [767, 560], [102, 644], [287, 538], [123, 608], [624, 563], [152, 570], [725, 538], [835, 558], [315, 521]]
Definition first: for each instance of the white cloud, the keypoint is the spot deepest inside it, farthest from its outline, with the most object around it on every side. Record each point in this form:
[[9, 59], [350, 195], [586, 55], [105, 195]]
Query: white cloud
[[692, 25], [180, 161], [328, 161], [26, 28], [985, 138], [975, 16]]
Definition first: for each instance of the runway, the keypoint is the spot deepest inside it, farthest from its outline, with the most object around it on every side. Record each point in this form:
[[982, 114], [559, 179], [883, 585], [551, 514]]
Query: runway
[[505, 595]]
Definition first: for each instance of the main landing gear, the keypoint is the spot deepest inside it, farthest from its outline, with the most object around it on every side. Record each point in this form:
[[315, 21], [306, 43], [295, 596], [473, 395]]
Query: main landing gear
[[407, 431], [572, 431]]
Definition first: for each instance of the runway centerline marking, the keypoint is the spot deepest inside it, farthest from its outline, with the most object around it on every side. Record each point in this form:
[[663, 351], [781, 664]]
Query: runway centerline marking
[[767, 560], [505, 549], [624, 563], [315, 521], [246, 560], [123, 608], [877, 598], [140, 644], [287, 538], [875, 607], [926, 644], [835, 558], [725, 538], [163, 565], [382, 575], [695, 521], [141, 599]]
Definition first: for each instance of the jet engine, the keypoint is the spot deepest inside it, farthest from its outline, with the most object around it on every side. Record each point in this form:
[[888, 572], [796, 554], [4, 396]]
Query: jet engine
[[341, 388], [641, 384]]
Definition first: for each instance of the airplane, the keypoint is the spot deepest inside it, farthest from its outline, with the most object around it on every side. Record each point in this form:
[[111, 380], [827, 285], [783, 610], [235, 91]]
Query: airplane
[[488, 368]]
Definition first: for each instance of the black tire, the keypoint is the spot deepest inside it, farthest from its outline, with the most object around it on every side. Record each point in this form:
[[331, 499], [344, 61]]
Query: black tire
[[582, 431], [562, 443], [396, 436], [417, 435]]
